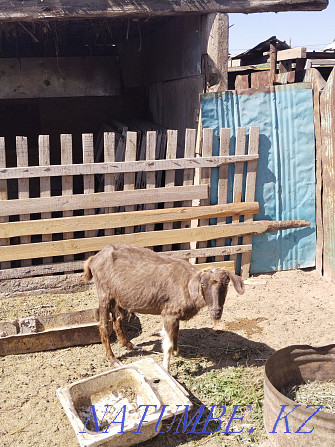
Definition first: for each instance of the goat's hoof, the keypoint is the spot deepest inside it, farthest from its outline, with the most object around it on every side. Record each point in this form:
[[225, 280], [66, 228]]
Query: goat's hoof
[[132, 347], [115, 363]]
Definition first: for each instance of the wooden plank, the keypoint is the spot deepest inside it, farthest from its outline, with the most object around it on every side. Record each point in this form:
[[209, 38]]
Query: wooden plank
[[129, 177], [144, 239], [250, 190], [49, 269], [273, 62], [23, 184], [121, 166], [45, 185], [50, 339], [211, 251], [150, 176], [260, 79], [291, 54], [67, 9], [241, 82], [323, 62], [223, 180], [238, 176], [57, 77], [170, 174], [225, 265], [319, 84], [190, 144], [3, 195], [88, 179], [102, 199], [109, 156], [116, 220], [215, 34], [40, 270], [327, 107], [67, 181], [205, 179]]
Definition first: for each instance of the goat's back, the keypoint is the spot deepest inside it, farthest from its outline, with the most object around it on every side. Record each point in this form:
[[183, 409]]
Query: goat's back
[[140, 279]]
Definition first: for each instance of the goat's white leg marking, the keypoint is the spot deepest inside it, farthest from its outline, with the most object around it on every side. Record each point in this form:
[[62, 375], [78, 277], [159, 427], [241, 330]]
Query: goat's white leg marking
[[167, 344]]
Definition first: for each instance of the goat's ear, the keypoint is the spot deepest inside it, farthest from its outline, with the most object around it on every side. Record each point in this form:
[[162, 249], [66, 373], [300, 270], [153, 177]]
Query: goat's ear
[[194, 285], [237, 282]]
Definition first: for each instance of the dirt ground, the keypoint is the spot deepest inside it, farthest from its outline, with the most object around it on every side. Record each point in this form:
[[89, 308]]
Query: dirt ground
[[294, 307]]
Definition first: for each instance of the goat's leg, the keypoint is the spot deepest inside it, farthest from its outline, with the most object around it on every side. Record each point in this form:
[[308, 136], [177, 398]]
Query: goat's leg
[[175, 339], [104, 326], [118, 327], [169, 334]]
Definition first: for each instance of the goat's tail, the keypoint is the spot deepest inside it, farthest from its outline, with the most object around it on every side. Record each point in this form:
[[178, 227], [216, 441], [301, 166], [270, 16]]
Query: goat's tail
[[87, 271]]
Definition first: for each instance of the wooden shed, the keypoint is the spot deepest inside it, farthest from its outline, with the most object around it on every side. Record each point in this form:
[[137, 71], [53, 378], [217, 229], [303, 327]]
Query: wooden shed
[[70, 68]]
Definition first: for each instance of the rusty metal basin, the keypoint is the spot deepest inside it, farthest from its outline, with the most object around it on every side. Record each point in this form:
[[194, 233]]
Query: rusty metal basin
[[295, 365]]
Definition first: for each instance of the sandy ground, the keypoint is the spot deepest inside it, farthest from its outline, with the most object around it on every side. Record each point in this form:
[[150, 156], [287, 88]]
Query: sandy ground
[[295, 307]]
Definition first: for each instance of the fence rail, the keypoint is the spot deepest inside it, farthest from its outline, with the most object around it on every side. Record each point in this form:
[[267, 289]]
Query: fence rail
[[54, 215]]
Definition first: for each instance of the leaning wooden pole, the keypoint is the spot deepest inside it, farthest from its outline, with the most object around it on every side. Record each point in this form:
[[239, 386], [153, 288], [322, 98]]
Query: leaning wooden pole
[[144, 239]]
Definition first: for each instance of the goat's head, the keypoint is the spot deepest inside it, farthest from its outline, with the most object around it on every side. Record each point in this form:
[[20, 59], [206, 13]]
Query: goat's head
[[213, 286]]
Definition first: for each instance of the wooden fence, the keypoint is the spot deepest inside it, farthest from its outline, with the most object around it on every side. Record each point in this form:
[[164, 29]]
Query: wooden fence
[[52, 216]]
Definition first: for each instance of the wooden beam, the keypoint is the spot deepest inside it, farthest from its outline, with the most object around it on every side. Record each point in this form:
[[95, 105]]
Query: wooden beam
[[320, 55], [211, 251], [150, 239], [215, 32], [48, 77], [128, 219], [225, 265], [121, 166], [35, 10], [50, 269], [100, 200], [291, 54]]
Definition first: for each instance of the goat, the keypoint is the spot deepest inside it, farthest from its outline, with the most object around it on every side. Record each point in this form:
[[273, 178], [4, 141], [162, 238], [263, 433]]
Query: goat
[[135, 279]]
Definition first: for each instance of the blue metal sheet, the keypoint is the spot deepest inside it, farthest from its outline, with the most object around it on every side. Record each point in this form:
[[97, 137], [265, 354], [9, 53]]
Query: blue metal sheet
[[285, 187]]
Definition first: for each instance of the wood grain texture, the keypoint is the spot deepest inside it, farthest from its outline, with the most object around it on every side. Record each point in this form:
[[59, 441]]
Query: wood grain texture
[[52, 77], [102, 199], [23, 184], [3, 196], [67, 181], [88, 157], [144, 239], [190, 143], [170, 174], [312, 75], [116, 220], [117, 167], [205, 179], [223, 180], [109, 179], [129, 177], [45, 185], [35, 10], [49, 269], [250, 190], [327, 107], [238, 175], [150, 176]]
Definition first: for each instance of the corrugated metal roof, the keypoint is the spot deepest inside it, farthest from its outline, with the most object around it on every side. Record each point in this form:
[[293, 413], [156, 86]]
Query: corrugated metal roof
[[259, 49]]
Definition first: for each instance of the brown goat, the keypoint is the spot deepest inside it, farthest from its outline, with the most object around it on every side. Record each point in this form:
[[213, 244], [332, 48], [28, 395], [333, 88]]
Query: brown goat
[[139, 280]]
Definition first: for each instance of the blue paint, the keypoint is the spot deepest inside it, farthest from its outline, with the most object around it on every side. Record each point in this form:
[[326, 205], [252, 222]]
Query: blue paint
[[285, 187]]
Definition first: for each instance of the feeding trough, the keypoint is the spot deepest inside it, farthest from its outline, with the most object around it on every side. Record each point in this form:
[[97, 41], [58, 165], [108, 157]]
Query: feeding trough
[[296, 365], [45, 332], [140, 383]]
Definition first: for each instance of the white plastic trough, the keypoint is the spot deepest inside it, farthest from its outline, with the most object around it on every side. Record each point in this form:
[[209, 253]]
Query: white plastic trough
[[152, 386]]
